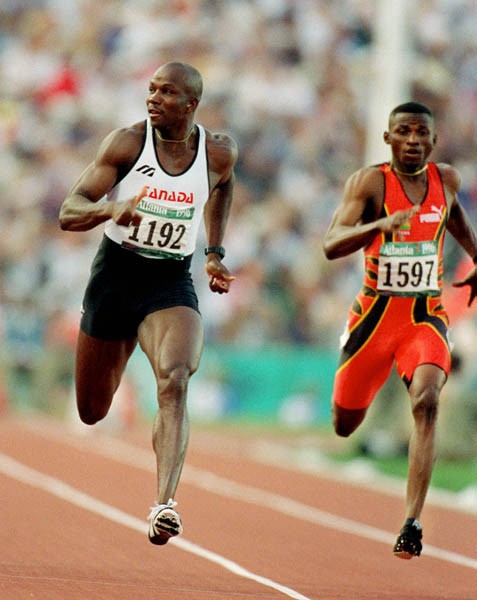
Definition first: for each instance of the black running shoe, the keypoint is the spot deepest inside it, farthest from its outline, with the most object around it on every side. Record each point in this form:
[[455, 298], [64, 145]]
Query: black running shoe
[[408, 543]]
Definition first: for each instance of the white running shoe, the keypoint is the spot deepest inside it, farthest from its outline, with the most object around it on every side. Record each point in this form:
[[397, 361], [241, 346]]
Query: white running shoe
[[164, 522]]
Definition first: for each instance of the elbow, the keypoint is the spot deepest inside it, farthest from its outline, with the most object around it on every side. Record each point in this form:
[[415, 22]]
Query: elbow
[[65, 222], [330, 254], [330, 251]]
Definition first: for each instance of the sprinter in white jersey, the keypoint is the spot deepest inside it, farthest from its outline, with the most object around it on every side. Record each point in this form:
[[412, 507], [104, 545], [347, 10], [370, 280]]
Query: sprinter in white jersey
[[155, 179]]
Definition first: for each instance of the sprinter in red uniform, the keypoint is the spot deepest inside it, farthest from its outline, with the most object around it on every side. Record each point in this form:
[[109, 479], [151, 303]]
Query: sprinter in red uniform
[[398, 213]]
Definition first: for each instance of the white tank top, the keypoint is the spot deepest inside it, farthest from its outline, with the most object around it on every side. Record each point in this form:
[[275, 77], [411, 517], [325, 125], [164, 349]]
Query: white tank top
[[172, 208]]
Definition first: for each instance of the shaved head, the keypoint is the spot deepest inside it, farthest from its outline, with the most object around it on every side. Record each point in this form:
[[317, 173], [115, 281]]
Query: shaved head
[[188, 75]]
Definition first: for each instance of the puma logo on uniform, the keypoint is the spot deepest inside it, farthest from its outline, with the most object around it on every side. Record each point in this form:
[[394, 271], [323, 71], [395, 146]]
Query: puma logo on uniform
[[434, 216]]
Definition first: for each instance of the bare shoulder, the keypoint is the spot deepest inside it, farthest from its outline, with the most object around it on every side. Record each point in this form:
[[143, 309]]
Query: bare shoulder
[[222, 151], [450, 176], [367, 182], [122, 145]]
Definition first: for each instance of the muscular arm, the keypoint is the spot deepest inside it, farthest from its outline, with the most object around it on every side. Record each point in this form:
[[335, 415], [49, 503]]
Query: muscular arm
[[354, 223], [459, 226], [216, 212], [80, 210], [458, 223], [222, 152], [222, 156]]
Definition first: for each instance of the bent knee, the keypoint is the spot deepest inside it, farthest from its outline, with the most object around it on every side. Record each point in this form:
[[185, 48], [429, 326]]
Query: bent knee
[[91, 410], [343, 430], [345, 421], [88, 418]]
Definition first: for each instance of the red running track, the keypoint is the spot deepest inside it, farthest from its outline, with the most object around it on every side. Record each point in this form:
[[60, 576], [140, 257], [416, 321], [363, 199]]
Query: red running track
[[73, 526]]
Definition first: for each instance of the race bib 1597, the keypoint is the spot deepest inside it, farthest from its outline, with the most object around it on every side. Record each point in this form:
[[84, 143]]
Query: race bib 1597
[[408, 268]]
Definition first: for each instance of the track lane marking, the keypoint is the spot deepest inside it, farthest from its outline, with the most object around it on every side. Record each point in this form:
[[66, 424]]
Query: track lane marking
[[20, 472], [354, 472], [136, 457]]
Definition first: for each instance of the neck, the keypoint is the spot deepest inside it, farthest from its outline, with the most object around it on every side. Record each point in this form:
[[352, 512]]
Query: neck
[[175, 141], [405, 173]]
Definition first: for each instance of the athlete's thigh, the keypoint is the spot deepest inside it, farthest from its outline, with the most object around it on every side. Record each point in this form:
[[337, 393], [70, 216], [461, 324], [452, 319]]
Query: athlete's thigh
[[362, 372], [424, 344], [357, 383], [99, 366], [367, 352], [171, 338]]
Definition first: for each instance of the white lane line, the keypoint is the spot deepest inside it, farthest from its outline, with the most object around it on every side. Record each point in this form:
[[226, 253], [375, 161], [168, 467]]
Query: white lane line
[[356, 471], [137, 457], [134, 456], [20, 472], [227, 488], [305, 460]]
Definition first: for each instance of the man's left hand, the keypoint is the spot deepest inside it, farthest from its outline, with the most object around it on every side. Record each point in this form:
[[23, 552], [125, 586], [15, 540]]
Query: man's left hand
[[219, 276], [470, 280]]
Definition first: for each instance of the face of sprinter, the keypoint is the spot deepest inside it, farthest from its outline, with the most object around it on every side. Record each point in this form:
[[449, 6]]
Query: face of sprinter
[[169, 102], [412, 139]]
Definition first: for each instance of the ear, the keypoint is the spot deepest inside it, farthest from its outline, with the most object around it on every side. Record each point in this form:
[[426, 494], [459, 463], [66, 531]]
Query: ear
[[386, 137], [192, 104]]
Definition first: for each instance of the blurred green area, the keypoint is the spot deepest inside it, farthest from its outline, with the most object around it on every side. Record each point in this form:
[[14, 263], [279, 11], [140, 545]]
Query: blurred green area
[[454, 475], [306, 447], [277, 385]]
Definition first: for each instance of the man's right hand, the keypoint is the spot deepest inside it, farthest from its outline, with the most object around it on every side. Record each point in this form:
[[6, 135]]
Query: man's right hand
[[394, 222], [125, 213]]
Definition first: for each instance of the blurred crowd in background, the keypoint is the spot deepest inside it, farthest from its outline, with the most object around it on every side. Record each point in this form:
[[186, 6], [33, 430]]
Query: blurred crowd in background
[[288, 79]]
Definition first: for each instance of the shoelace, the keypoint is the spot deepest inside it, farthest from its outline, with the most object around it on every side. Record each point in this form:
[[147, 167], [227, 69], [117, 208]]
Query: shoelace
[[154, 509]]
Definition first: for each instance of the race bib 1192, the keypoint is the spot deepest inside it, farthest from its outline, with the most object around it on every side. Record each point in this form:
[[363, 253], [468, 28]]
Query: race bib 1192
[[163, 235]]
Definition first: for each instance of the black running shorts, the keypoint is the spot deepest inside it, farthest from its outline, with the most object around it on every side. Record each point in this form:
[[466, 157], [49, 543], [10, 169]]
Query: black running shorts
[[124, 287]]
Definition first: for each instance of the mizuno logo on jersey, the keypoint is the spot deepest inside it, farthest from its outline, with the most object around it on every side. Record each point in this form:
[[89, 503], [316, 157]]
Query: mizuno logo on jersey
[[147, 170], [170, 196]]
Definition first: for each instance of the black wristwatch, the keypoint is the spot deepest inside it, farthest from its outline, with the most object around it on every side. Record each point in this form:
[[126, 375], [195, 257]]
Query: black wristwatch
[[215, 250]]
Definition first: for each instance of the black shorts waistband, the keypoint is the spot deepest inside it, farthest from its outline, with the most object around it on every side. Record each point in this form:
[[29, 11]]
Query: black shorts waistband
[[131, 259]]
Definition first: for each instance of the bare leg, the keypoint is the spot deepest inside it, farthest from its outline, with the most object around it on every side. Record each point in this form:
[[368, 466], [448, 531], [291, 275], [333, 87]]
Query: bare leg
[[172, 340], [424, 391], [99, 366]]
